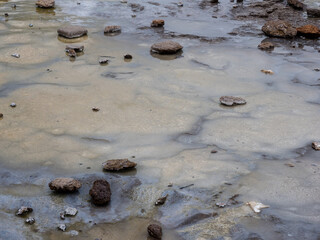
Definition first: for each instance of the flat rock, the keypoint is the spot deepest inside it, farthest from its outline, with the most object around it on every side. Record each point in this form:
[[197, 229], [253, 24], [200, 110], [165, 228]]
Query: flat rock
[[23, 211], [70, 211], [112, 29], [266, 46], [313, 12], [295, 4], [157, 23], [231, 101], [100, 192], [62, 227], [166, 47], [75, 47], [45, 3], [279, 28], [309, 31], [72, 31], [118, 164], [155, 231], [316, 146], [64, 185]]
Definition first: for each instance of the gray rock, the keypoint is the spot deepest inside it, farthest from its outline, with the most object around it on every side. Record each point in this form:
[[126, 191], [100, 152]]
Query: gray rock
[[23, 211], [118, 164], [62, 227], [72, 31], [279, 28], [30, 220], [69, 211], [166, 47], [103, 60], [64, 185], [266, 46], [16, 55], [230, 101], [13, 105]]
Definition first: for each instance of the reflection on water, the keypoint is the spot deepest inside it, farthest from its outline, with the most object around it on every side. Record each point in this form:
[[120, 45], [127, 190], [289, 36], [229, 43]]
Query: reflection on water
[[164, 115]]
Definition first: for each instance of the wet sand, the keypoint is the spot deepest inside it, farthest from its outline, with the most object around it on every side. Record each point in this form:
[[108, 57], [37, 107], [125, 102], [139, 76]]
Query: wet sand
[[164, 111]]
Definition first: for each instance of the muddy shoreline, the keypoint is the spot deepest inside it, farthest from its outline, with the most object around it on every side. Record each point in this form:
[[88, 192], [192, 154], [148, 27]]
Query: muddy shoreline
[[162, 112]]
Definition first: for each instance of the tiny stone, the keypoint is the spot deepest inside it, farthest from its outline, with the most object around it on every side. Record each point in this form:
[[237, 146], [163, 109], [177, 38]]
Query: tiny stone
[[70, 211], [180, 4], [214, 151], [267, 71], [24, 210], [289, 164], [30, 220], [266, 46], [118, 164], [62, 216], [13, 5], [6, 15], [95, 109], [30, 25], [157, 23], [155, 231], [112, 29], [75, 47], [103, 60], [1, 116], [170, 184], [230, 101], [13, 105], [220, 205], [316, 146], [62, 227], [71, 53], [16, 55], [127, 56], [161, 200]]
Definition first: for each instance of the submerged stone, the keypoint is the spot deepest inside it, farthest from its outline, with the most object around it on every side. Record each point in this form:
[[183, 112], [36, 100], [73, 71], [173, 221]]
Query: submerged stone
[[72, 31], [64, 185], [266, 46], [75, 47], [100, 192], [70, 211], [118, 164]]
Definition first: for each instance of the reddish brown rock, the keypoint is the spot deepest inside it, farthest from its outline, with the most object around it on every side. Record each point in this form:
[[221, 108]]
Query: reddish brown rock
[[45, 3], [316, 146], [231, 101], [72, 31], [112, 29], [118, 164], [155, 231], [100, 192], [64, 185], [295, 4], [309, 31], [266, 46], [157, 23], [166, 47], [279, 28]]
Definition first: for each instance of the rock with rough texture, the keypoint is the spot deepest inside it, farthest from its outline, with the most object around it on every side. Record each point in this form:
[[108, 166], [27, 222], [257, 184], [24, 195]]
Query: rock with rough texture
[[62, 227], [30, 220], [155, 231], [157, 23], [45, 3], [112, 29], [70, 211], [118, 164], [100, 192], [295, 4], [64, 185], [313, 12], [279, 28], [72, 31], [266, 46], [166, 47], [23, 211], [231, 101], [316, 146], [75, 47], [71, 53], [1, 116], [309, 31]]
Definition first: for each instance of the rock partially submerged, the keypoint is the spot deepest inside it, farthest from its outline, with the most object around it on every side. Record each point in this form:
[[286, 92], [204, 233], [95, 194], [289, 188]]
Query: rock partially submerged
[[155, 231], [118, 164], [166, 47], [309, 31], [266, 46], [231, 101], [70, 211], [24, 211], [295, 4], [279, 28], [64, 185], [157, 23], [45, 3], [316, 146], [112, 29], [75, 47], [100, 192], [72, 31]]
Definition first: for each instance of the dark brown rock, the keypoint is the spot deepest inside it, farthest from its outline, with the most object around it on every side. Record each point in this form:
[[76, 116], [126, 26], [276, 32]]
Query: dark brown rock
[[231, 101], [64, 185], [1, 116], [316, 146], [309, 31], [266, 46], [71, 53], [155, 231], [161, 200], [279, 28], [45, 3], [313, 12], [118, 164], [23, 211], [112, 29], [157, 23], [75, 47], [127, 56], [100, 192], [295, 4], [72, 31], [166, 47]]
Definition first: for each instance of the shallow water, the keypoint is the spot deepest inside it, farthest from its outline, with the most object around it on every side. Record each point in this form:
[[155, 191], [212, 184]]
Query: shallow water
[[162, 112]]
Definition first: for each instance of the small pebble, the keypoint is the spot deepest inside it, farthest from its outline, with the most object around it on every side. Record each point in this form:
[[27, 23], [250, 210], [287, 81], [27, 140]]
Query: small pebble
[[62, 227], [267, 71], [170, 184], [289, 164], [103, 60], [316, 146], [214, 151], [69, 211], [13, 6], [30, 220], [30, 25], [24, 210], [161, 200], [13, 105], [6, 15], [180, 4], [1, 116], [62, 216], [16, 55], [95, 109], [127, 56], [220, 205]]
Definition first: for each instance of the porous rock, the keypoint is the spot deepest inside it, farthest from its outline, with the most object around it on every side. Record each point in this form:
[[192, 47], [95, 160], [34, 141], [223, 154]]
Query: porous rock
[[118, 164], [100, 192], [64, 185]]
